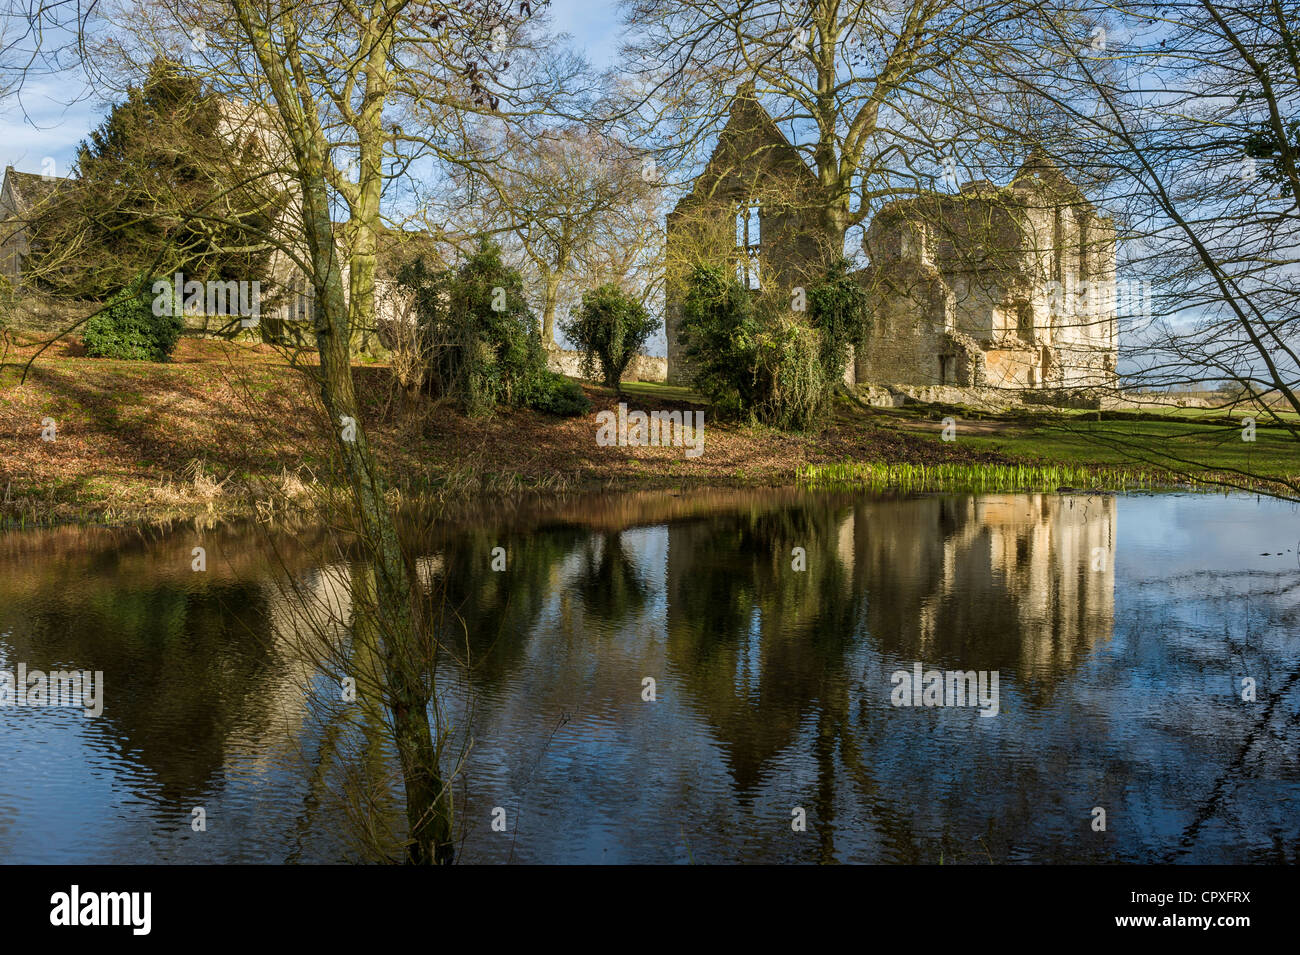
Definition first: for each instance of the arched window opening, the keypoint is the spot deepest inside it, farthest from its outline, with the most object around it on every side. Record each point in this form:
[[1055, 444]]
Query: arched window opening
[[748, 244]]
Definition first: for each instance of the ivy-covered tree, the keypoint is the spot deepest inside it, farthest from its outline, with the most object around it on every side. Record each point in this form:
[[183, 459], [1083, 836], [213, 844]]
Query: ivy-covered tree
[[609, 328], [1267, 144], [758, 360], [839, 309], [720, 332], [481, 337]]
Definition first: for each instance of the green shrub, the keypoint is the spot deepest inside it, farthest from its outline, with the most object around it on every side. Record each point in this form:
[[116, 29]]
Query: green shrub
[[756, 360], [609, 328], [792, 385], [480, 339], [839, 309], [556, 395], [720, 334], [135, 325]]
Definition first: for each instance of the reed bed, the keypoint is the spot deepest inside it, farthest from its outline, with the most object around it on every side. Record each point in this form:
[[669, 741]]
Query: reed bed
[[880, 476]]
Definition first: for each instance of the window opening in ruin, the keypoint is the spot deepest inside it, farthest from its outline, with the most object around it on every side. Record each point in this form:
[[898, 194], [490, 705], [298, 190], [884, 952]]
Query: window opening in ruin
[[748, 244], [1083, 248], [1024, 321], [1058, 247]]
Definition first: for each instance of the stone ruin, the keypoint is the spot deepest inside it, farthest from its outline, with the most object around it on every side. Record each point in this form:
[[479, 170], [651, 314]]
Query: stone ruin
[[993, 287]]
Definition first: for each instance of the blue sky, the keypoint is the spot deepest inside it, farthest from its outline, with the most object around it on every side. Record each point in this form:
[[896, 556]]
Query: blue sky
[[41, 122], [54, 113], [593, 24]]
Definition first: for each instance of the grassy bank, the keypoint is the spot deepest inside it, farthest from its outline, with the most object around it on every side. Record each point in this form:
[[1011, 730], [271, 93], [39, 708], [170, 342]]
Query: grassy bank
[[231, 429], [1120, 448]]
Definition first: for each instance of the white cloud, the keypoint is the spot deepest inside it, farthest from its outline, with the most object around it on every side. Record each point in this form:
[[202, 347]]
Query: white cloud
[[594, 27]]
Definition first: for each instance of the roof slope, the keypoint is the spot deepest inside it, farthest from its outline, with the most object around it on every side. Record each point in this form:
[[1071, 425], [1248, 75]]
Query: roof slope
[[27, 190], [750, 147]]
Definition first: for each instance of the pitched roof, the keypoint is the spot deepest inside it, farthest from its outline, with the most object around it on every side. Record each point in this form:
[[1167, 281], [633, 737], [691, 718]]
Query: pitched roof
[[1038, 168], [28, 189], [750, 136]]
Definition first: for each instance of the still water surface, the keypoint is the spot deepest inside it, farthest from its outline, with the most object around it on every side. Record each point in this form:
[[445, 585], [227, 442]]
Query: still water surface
[[1120, 628]]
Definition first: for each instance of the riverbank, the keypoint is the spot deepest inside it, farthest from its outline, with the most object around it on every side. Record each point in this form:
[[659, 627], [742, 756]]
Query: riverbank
[[230, 429]]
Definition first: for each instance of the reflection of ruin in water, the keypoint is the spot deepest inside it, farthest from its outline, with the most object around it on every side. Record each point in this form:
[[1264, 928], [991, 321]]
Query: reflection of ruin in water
[[1116, 682], [1000, 582]]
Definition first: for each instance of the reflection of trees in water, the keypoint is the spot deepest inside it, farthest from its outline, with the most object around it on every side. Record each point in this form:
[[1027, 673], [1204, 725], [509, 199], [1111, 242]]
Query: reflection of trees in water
[[756, 643], [198, 672], [608, 581], [484, 616], [353, 785], [999, 583], [771, 658], [1216, 627], [183, 670]]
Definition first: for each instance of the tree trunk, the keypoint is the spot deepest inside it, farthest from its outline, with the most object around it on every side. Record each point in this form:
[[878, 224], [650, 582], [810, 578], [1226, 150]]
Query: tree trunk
[[550, 298], [428, 804], [832, 224], [405, 652]]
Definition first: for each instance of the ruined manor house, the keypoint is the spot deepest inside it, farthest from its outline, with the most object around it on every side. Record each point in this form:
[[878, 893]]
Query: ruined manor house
[[995, 286]]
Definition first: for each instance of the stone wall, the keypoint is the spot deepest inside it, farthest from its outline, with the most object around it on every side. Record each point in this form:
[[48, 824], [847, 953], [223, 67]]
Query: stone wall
[[1007, 287], [641, 368], [747, 212]]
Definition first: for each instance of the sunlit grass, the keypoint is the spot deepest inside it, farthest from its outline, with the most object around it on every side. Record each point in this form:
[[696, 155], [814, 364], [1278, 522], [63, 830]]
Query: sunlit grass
[[1176, 446], [662, 391]]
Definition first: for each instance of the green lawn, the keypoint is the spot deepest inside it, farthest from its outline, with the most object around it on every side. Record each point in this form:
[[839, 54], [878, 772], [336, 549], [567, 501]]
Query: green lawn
[[661, 391], [1174, 443], [1182, 440]]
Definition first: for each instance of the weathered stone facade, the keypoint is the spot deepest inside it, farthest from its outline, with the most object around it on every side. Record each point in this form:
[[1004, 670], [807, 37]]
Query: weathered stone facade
[[1004, 287], [994, 287], [27, 205], [25, 198]]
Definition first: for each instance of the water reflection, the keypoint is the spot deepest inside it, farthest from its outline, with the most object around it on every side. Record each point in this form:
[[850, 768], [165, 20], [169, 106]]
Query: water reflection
[[769, 622]]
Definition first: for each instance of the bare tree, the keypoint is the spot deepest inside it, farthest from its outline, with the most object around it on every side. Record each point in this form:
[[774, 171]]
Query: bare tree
[[349, 97], [1194, 140], [567, 192], [876, 97]]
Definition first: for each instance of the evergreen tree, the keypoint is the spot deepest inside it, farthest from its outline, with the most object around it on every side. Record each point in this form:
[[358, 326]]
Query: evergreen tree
[[163, 185]]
